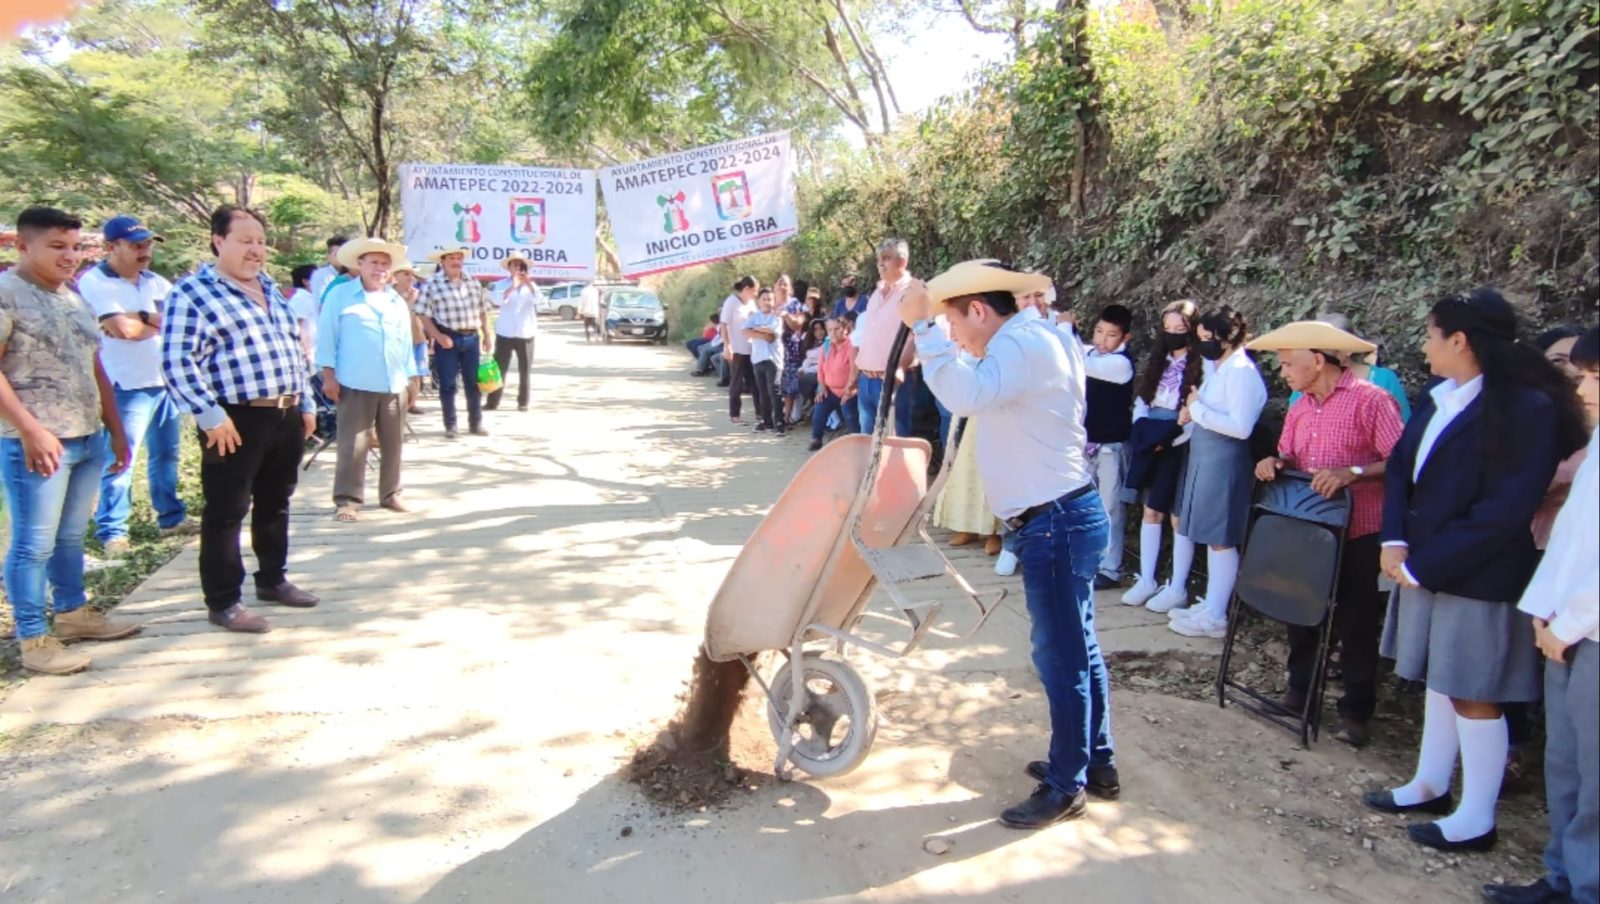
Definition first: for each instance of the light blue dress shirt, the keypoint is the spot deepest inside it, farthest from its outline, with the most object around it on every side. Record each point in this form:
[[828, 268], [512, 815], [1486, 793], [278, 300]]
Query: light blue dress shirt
[[366, 338]]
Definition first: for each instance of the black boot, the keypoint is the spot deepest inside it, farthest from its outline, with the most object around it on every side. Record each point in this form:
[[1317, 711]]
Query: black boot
[[1046, 806]]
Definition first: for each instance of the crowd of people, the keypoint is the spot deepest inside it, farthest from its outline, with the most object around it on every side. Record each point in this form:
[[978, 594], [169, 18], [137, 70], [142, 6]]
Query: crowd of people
[[1452, 495], [97, 364]]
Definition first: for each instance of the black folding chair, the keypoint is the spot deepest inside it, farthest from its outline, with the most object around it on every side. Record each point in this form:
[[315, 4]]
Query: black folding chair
[[1289, 573]]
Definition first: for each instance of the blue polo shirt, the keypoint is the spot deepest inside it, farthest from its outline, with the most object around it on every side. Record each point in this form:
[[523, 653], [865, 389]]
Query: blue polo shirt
[[366, 338]]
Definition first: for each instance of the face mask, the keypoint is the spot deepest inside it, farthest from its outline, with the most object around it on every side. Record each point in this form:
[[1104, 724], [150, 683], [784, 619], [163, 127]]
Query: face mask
[[1209, 349], [1174, 341]]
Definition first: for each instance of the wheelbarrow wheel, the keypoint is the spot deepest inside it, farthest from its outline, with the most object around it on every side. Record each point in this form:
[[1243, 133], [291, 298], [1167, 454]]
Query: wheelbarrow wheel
[[839, 722]]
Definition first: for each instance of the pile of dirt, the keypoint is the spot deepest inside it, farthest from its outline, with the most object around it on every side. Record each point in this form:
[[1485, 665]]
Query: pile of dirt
[[712, 750]]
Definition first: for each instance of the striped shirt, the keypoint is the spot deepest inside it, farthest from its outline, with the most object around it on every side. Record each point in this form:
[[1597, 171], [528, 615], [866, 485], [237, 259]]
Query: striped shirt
[[221, 348], [460, 306]]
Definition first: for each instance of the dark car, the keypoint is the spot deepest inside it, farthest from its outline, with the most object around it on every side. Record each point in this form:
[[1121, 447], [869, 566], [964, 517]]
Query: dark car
[[633, 313]]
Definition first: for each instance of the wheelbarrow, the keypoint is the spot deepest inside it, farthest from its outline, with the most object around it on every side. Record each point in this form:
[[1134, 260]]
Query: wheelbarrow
[[853, 518]]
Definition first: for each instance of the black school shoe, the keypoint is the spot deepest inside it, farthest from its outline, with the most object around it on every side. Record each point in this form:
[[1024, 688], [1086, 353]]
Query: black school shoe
[[1538, 893], [1383, 802], [1103, 781], [1429, 834], [1044, 807]]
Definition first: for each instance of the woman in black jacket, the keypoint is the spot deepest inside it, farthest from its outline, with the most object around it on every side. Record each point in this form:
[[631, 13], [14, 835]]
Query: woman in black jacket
[[1460, 490]]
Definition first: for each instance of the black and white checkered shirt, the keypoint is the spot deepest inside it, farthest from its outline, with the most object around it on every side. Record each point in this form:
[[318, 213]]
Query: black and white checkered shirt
[[221, 348], [461, 306]]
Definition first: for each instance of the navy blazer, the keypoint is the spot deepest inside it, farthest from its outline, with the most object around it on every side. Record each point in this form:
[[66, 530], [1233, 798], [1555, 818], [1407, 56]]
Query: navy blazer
[[1467, 521]]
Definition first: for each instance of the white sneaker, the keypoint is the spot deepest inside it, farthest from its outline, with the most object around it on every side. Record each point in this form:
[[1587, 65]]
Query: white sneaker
[[1183, 614], [1201, 625], [1140, 592], [1171, 597], [1006, 565]]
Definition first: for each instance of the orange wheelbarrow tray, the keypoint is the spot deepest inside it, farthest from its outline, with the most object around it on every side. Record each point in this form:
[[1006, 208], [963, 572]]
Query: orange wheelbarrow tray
[[853, 518]]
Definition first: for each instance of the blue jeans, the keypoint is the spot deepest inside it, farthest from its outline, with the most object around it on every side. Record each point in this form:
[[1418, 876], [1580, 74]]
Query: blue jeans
[[148, 416], [460, 360], [1060, 552], [870, 390], [825, 408], [48, 518]]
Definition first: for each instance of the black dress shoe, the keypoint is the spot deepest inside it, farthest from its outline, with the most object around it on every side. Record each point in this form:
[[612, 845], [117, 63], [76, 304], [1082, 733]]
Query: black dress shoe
[[1046, 806], [1106, 582], [287, 594], [1383, 802], [1103, 782], [1429, 834], [1538, 893], [1352, 732]]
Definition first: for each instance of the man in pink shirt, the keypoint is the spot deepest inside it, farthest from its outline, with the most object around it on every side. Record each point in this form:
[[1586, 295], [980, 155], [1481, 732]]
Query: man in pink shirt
[[874, 338]]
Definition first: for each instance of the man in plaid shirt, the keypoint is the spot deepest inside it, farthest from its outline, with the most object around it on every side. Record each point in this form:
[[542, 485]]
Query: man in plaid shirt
[[1341, 430], [231, 355], [455, 314]]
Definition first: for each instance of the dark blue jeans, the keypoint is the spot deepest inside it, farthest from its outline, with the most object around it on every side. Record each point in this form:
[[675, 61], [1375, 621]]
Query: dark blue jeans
[[459, 361], [870, 390], [1060, 552], [823, 409]]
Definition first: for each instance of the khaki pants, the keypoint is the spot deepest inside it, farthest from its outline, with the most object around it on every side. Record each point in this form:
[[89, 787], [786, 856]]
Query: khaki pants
[[359, 410]]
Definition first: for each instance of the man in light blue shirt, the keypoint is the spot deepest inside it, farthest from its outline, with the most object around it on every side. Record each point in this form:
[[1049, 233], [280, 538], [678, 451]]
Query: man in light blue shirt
[[1029, 388], [364, 352]]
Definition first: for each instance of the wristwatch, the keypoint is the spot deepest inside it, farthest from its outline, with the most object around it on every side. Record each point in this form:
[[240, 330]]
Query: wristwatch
[[144, 317], [921, 327], [1358, 471]]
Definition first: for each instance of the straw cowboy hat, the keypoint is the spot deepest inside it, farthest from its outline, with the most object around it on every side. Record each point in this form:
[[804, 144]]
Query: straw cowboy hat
[[438, 254], [404, 266], [516, 256], [1314, 335], [986, 275], [351, 252]]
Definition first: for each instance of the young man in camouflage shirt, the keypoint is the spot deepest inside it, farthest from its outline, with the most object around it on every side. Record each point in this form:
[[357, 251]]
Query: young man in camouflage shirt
[[54, 396]]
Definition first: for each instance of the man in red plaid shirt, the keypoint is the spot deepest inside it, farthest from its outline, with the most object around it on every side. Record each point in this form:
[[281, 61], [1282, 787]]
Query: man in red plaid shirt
[[1341, 430]]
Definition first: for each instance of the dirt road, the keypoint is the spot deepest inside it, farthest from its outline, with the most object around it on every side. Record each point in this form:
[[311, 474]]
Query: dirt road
[[448, 725]]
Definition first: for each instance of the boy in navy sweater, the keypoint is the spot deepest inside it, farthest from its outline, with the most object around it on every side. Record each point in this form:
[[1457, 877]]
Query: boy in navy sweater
[[1108, 417]]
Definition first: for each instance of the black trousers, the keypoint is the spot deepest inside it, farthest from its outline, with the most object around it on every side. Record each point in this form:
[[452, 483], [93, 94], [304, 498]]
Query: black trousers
[[769, 402], [1357, 623], [258, 478], [740, 380], [503, 348]]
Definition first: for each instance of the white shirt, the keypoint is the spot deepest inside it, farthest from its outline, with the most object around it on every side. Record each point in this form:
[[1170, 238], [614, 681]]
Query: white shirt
[[519, 313], [1030, 393], [733, 316], [1115, 367], [129, 363], [589, 302], [308, 310], [1231, 397], [1565, 591], [320, 278], [1449, 400]]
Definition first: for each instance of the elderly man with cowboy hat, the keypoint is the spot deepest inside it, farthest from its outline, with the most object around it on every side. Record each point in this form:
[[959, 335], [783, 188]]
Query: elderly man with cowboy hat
[[1341, 429], [364, 350], [515, 328], [455, 313], [1029, 388]]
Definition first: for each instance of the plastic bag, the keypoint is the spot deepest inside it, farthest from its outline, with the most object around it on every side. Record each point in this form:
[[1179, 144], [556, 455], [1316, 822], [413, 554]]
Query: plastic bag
[[489, 379]]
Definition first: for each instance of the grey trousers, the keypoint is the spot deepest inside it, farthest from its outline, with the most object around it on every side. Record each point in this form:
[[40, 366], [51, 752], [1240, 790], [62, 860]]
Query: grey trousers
[[1572, 772], [359, 410]]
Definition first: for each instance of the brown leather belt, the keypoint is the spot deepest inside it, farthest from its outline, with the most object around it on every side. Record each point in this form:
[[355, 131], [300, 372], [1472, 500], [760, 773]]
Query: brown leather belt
[[287, 400]]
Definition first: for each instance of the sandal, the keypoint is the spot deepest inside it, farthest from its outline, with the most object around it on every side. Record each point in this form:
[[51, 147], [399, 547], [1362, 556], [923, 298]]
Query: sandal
[[346, 513]]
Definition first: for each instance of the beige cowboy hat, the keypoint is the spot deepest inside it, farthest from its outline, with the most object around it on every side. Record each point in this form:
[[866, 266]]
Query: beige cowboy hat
[[438, 254], [424, 270], [985, 275], [350, 252], [516, 256], [404, 266], [1313, 335]]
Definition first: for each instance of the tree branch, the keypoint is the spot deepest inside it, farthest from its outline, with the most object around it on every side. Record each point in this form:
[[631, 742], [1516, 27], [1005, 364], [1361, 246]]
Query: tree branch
[[839, 102], [866, 60]]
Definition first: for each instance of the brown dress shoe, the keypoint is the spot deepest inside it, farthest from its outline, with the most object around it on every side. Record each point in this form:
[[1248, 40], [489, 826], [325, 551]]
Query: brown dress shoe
[[962, 539], [287, 594], [85, 623], [238, 617], [992, 546]]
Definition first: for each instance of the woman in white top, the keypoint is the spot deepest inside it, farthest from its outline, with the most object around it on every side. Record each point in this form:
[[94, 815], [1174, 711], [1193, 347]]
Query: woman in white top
[[515, 329], [1214, 498]]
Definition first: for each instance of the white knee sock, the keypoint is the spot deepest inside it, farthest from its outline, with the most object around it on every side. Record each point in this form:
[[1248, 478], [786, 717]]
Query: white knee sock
[[1149, 550], [1436, 759], [1222, 569], [1182, 559], [1484, 744]]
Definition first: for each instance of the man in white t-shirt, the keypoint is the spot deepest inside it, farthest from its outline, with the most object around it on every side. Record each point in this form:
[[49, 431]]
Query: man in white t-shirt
[[126, 298], [589, 310], [323, 276]]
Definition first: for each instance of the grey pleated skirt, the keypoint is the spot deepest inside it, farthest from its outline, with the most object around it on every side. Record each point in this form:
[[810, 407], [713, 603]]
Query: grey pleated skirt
[[1463, 648], [1213, 505]]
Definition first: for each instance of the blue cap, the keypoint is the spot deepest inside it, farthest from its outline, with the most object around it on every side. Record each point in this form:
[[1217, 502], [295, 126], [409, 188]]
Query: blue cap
[[128, 229]]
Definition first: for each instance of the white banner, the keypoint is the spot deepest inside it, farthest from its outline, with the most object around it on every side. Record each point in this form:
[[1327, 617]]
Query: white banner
[[701, 205], [546, 214]]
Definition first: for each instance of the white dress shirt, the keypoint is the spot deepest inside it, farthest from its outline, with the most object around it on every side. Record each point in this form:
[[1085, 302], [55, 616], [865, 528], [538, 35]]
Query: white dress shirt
[[1115, 367], [1565, 591], [1449, 400], [1231, 397], [519, 312], [320, 278], [1030, 393]]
